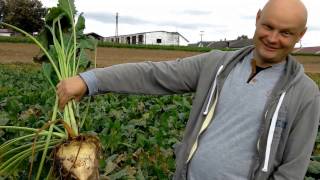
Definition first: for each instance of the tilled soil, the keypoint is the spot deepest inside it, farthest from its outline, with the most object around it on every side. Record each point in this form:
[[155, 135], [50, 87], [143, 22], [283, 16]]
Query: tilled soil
[[24, 53]]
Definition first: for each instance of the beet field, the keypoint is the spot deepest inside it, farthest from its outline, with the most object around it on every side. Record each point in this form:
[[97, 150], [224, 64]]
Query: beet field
[[137, 133]]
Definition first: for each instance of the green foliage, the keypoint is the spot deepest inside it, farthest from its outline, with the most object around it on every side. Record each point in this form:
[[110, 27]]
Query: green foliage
[[160, 47], [58, 38], [63, 45], [15, 39], [25, 14], [137, 131], [22, 103]]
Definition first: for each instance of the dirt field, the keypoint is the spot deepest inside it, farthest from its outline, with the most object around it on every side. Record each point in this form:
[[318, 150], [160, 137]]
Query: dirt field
[[23, 53]]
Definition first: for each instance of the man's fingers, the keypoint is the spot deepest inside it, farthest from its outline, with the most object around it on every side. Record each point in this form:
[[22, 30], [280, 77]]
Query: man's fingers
[[78, 98], [62, 95], [63, 100], [71, 88]]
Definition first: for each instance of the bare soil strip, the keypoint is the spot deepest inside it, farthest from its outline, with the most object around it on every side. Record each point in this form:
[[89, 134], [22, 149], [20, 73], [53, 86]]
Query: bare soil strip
[[24, 53]]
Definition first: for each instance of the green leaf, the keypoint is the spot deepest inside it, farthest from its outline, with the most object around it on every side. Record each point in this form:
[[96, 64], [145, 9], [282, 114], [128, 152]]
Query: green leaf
[[80, 24], [47, 69], [68, 7], [54, 13], [120, 174], [318, 137], [314, 167], [140, 174], [84, 61], [43, 37], [315, 158], [88, 43], [309, 178], [4, 118]]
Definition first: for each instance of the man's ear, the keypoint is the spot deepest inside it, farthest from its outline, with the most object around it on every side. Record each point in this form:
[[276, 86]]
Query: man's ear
[[258, 16], [302, 33]]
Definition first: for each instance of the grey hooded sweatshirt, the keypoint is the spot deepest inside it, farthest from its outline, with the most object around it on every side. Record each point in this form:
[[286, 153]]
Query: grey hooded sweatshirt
[[283, 151]]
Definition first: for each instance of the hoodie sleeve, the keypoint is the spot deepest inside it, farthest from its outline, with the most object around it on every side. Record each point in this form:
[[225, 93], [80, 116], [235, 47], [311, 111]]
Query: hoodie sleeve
[[164, 77], [300, 143]]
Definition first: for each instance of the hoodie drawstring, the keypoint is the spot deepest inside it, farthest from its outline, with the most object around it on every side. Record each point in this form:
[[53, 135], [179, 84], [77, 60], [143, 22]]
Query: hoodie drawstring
[[212, 90], [271, 132]]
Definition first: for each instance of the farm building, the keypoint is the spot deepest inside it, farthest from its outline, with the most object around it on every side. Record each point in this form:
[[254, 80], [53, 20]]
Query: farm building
[[95, 36], [238, 43], [151, 38], [308, 50], [6, 32]]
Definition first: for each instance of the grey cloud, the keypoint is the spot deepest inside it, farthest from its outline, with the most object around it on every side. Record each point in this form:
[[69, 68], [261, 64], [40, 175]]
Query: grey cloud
[[101, 17], [313, 28], [109, 18], [196, 12], [186, 25], [248, 17]]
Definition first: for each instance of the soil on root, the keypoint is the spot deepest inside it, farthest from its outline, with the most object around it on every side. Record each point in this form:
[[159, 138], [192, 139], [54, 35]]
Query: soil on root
[[78, 158]]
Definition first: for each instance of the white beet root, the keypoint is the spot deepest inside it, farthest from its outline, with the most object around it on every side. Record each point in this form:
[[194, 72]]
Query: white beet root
[[81, 164]]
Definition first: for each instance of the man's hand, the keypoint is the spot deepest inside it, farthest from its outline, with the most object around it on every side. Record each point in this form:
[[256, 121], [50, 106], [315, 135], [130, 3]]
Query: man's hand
[[71, 88]]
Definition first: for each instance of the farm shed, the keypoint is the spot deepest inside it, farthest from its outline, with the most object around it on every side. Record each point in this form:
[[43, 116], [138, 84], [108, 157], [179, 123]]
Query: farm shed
[[94, 35], [238, 43], [308, 50], [6, 32], [151, 38]]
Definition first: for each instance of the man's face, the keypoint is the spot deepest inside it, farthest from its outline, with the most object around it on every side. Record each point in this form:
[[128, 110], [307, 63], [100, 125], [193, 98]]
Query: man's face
[[275, 36]]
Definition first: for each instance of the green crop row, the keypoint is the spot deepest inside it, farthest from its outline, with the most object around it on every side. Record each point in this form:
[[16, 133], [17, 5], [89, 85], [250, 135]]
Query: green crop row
[[138, 133], [160, 47], [15, 39]]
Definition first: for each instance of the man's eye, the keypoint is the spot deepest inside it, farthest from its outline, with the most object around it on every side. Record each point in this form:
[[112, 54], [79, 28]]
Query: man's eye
[[267, 27], [286, 33]]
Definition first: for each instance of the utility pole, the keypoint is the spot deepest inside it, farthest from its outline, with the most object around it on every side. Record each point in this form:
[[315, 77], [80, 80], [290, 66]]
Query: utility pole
[[201, 35], [116, 33], [300, 44]]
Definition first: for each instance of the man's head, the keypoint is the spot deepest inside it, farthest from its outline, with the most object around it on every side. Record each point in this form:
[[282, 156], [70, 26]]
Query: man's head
[[279, 26]]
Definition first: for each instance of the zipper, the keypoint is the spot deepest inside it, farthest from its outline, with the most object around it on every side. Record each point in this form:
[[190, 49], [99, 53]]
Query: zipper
[[207, 113], [204, 126], [258, 142]]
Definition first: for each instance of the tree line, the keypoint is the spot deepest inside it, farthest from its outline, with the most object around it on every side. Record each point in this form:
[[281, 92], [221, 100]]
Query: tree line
[[25, 14]]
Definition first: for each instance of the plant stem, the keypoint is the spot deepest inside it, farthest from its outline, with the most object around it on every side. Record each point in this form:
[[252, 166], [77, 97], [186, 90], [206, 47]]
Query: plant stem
[[54, 116], [72, 119], [58, 134]]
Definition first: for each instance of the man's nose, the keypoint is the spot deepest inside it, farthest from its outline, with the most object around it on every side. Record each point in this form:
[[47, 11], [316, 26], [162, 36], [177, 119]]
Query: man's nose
[[273, 37]]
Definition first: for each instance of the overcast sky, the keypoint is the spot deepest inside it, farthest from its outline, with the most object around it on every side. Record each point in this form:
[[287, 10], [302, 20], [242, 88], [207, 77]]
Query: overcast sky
[[219, 19]]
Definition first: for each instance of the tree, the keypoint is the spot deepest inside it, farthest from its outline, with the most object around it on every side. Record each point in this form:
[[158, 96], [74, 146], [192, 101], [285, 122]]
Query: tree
[[25, 14], [2, 4], [242, 37]]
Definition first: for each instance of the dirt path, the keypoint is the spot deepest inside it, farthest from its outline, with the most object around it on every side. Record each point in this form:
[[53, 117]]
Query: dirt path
[[23, 53]]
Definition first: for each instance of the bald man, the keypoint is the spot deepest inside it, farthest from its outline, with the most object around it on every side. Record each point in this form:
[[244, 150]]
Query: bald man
[[255, 113]]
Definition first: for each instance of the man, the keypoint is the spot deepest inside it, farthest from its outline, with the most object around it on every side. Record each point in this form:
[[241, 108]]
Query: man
[[255, 114]]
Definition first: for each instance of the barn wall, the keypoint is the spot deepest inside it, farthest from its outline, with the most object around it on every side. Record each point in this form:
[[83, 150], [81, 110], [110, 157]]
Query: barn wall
[[151, 38]]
